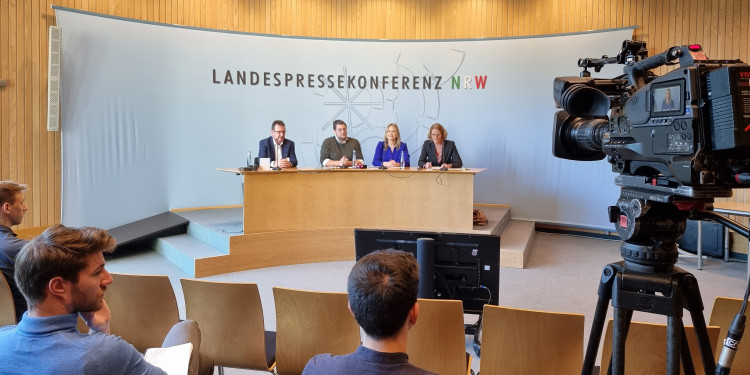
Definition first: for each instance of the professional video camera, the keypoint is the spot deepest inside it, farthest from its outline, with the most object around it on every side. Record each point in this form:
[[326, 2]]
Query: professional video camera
[[677, 141], [686, 133]]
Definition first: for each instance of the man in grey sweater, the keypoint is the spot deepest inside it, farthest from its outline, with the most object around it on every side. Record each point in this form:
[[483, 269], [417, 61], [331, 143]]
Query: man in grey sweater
[[336, 151]]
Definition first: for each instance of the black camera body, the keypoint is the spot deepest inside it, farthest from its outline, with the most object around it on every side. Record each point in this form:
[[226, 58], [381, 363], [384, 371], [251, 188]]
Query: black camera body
[[685, 133]]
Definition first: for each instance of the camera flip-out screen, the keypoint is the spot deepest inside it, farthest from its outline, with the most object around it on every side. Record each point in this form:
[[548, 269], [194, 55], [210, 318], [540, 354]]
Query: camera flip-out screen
[[667, 99]]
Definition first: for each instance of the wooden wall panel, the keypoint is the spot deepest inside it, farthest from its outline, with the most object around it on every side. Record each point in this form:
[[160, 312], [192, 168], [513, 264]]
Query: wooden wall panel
[[30, 154]]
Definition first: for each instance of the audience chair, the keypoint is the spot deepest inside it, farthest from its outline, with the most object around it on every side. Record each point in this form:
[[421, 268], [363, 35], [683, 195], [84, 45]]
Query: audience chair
[[437, 342], [310, 323], [646, 348], [721, 316], [7, 305], [144, 309], [230, 316], [516, 341]]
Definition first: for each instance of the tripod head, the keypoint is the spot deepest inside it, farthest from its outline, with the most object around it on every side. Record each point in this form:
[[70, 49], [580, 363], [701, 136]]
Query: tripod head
[[650, 224]]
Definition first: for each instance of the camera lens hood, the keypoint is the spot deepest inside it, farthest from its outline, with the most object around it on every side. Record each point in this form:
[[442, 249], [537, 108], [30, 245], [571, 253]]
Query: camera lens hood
[[585, 101]]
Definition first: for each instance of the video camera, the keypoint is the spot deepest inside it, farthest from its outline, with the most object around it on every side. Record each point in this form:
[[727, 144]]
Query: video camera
[[677, 141], [685, 133]]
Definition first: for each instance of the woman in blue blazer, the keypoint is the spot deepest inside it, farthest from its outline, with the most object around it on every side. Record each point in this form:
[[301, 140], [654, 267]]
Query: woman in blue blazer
[[437, 151], [389, 151]]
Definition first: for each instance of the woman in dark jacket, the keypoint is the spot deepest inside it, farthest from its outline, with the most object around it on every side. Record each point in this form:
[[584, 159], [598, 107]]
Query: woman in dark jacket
[[438, 151]]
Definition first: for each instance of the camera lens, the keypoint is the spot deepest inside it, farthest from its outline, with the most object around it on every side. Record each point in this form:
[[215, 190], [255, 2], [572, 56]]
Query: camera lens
[[584, 101]]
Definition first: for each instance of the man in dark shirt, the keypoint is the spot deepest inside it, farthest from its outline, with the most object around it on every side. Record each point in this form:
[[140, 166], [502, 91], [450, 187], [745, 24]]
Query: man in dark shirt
[[278, 148], [335, 151], [382, 289], [12, 209]]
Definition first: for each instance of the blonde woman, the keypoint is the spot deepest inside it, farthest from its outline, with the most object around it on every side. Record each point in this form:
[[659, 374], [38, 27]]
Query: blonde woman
[[389, 151], [437, 151]]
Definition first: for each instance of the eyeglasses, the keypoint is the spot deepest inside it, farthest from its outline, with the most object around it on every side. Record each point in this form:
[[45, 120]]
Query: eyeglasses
[[279, 131]]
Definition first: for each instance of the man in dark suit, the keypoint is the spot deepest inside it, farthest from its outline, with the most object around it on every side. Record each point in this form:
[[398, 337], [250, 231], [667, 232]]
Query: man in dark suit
[[279, 149]]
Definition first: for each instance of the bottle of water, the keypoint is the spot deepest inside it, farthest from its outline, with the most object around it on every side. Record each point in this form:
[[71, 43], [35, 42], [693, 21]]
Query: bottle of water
[[249, 158], [402, 160], [354, 158]]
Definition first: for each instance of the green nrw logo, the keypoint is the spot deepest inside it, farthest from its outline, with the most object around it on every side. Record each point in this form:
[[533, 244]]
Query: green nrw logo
[[468, 82]]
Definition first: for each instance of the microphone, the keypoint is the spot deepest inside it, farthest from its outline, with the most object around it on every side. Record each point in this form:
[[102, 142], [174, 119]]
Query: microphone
[[731, 343]]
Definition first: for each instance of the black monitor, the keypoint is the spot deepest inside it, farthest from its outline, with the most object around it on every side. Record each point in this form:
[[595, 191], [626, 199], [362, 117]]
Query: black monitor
[[466, 266]]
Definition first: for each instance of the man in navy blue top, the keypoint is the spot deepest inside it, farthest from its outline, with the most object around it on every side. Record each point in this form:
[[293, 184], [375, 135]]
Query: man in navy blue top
[[277, 148], [382, 289], [12, 209], [61, 273]]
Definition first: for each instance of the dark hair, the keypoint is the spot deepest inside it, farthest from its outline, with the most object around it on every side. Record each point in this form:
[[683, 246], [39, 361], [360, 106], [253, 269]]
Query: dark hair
[[58, 251], [382, 289], [8, 191], [277, 122], [338, 122]]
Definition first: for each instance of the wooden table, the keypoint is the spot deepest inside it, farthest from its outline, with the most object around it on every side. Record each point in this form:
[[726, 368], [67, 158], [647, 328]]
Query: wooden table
[[308, 215], [358, 198]]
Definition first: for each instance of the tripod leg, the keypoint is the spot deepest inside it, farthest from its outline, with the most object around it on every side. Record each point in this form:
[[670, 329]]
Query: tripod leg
[[597, 325], [695, 306], [620, 329], [687, 358], [674, 341]]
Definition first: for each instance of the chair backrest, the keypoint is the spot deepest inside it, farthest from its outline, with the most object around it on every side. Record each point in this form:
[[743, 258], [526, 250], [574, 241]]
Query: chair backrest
[[310, 323], [230, 316], [517, 341], [7, 305], [721, 316], [646, 348], [437, 342], [144, 309]]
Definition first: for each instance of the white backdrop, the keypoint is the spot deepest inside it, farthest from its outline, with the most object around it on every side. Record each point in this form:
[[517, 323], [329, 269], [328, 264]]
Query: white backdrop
[[148, 113]]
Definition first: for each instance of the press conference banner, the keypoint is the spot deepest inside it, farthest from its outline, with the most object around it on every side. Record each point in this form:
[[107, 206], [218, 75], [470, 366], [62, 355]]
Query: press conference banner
[[149, 111]]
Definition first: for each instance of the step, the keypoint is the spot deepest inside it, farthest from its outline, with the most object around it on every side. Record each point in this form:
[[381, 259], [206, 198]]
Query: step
[[515, 243], [213, 236], [498, 217], [183, 250]]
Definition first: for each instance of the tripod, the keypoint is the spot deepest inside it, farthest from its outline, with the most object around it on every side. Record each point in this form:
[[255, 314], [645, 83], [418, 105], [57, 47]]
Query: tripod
[[648, 281]]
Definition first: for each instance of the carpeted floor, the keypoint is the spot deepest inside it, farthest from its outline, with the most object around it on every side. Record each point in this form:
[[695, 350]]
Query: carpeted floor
[[562, 275]]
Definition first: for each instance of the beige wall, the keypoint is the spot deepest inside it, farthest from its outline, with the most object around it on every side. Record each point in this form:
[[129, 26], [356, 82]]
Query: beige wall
[[30, 154]]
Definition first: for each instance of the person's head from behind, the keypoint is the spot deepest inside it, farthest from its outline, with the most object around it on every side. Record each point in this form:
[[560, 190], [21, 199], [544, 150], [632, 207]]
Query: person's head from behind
[[339, 128], [12, 203], [437, 133], [65, 265], [382, 289], [392, 136]]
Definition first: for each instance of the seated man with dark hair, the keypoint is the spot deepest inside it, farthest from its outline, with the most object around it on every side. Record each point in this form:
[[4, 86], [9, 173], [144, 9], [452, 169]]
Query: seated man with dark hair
[[382, 289], [12, 209], [61, 273]]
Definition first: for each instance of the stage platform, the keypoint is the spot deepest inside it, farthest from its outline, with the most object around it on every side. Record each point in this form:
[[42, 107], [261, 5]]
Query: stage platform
[[203, 249]]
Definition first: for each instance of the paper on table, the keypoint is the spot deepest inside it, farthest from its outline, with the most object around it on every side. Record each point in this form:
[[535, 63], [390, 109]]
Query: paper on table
[[175, 360]]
